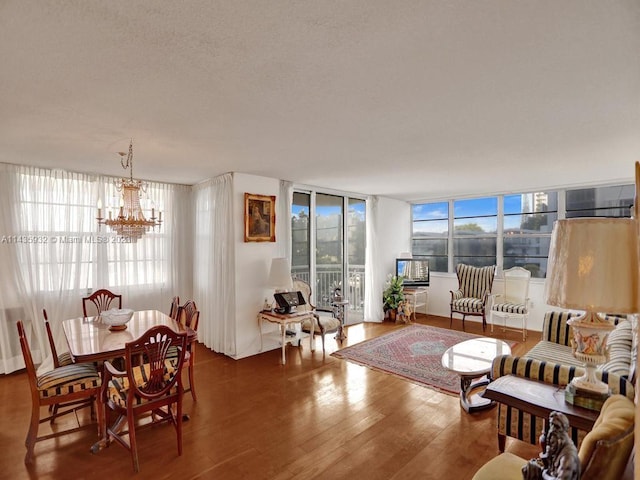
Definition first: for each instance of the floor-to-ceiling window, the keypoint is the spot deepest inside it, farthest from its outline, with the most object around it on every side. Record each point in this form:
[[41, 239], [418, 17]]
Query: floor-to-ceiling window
[[328, 247]]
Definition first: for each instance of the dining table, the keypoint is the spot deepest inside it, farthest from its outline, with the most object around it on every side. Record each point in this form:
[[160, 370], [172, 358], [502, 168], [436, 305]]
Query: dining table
[[91, 340]]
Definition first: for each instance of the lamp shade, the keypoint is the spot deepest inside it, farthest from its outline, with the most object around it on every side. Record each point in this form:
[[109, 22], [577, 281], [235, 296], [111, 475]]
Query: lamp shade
[[593, 265], [280, 274]]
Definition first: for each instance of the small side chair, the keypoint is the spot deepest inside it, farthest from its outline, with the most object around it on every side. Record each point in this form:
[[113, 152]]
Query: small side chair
[[324, 321], [514, 301], [102, 300]]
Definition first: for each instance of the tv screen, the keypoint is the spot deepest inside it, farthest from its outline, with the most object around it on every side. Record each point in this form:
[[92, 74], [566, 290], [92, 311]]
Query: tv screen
[[414, 270]]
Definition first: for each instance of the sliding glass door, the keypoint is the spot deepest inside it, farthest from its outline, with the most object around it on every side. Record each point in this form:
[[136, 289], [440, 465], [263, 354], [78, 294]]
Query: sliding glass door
[[328, 247]]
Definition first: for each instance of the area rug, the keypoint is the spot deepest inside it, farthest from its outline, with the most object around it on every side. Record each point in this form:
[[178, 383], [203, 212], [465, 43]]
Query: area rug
[[412, 353]]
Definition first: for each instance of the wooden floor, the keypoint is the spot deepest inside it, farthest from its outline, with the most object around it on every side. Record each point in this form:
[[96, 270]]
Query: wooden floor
[[315, 417]]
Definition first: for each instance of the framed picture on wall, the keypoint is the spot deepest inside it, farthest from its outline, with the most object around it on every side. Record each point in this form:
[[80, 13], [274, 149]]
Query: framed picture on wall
[[259, 218]]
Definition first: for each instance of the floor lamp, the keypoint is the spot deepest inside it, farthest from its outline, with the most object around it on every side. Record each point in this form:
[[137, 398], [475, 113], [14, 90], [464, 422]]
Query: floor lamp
[[593, 266]]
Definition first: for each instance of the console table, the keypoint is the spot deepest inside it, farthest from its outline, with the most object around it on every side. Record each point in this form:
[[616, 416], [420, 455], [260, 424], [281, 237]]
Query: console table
[[537, 398], [284, 320]]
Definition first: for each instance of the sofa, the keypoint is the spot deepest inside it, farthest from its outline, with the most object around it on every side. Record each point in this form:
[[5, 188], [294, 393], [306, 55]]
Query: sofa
[[551, 361]]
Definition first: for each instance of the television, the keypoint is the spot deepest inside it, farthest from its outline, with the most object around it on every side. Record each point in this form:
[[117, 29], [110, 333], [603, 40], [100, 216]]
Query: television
[[415, 271]]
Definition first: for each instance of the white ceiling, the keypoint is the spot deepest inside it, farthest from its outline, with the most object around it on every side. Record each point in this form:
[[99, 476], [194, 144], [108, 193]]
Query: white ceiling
[[408, 99]]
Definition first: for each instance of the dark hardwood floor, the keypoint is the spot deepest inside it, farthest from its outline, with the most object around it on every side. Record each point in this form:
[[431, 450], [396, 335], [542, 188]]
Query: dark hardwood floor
[[315, 417]]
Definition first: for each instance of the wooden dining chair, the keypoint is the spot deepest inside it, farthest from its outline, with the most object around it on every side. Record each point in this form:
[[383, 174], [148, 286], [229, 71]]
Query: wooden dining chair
[[189, 316], [58, 360], [63, 386], [149, 387], [102, 300], [173, 310]]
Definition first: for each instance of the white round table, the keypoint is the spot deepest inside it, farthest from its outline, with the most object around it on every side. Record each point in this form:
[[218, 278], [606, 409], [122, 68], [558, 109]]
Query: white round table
[[472, 360]]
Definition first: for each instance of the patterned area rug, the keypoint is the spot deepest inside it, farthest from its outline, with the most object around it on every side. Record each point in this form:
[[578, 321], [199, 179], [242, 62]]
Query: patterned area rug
[[412, 353]]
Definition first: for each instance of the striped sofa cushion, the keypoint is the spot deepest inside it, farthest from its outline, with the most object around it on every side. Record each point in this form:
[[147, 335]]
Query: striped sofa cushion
[[475, 281], [553, 352], [518, 308], [619, 342], [68, 379], [119, 386]]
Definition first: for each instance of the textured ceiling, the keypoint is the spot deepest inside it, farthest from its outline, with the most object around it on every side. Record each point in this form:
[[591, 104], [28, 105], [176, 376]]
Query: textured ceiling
[[407, 99]]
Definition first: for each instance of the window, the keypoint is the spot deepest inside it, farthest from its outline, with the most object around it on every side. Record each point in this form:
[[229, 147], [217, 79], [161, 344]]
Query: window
[[475, 229], [614, 201], [431, 234], [60, 210], [528, 223], [507, 230]]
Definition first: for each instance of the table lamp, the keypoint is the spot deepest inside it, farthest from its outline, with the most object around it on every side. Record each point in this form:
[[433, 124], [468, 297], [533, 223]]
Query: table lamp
[[593, 266], [280, 275]]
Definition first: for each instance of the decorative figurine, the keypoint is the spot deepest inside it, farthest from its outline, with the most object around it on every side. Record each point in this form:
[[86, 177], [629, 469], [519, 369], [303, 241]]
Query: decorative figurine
[[559, 458]]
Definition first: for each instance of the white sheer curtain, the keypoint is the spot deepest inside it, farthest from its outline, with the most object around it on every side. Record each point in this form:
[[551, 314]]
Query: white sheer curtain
[[373, 288], [283, 216], [214, 264], [55, 254]]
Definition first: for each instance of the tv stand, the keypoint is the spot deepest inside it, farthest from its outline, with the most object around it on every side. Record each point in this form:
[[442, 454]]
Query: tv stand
[[417, 297]]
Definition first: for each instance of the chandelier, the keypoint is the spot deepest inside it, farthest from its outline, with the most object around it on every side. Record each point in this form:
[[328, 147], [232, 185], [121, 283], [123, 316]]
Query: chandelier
[[130, 221]]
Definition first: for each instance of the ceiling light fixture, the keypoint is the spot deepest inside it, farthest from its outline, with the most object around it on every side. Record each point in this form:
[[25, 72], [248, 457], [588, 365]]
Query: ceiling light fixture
[[130, 221]]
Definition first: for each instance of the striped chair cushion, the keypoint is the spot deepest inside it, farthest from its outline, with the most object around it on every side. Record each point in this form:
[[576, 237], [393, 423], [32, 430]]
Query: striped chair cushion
[[68, 379], [620, 342], [119, 386], [518, 308], [465, 304]]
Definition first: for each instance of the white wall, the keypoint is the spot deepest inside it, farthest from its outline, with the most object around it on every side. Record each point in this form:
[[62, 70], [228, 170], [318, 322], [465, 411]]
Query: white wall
[[253, 261], [393, 237]]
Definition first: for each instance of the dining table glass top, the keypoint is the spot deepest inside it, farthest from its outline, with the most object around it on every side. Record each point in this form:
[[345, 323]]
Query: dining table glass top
[[90, 339]]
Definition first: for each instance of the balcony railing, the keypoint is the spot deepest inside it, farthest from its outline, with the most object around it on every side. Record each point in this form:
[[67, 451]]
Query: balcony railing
[[328, 278]]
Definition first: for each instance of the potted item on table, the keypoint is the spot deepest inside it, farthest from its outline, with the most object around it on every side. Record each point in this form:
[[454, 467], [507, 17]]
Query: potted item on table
[[393, 295]]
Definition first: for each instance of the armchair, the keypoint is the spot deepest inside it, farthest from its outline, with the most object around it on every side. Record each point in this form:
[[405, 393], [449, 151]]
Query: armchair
[[603, 454], [474, 288], [322, 324]]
